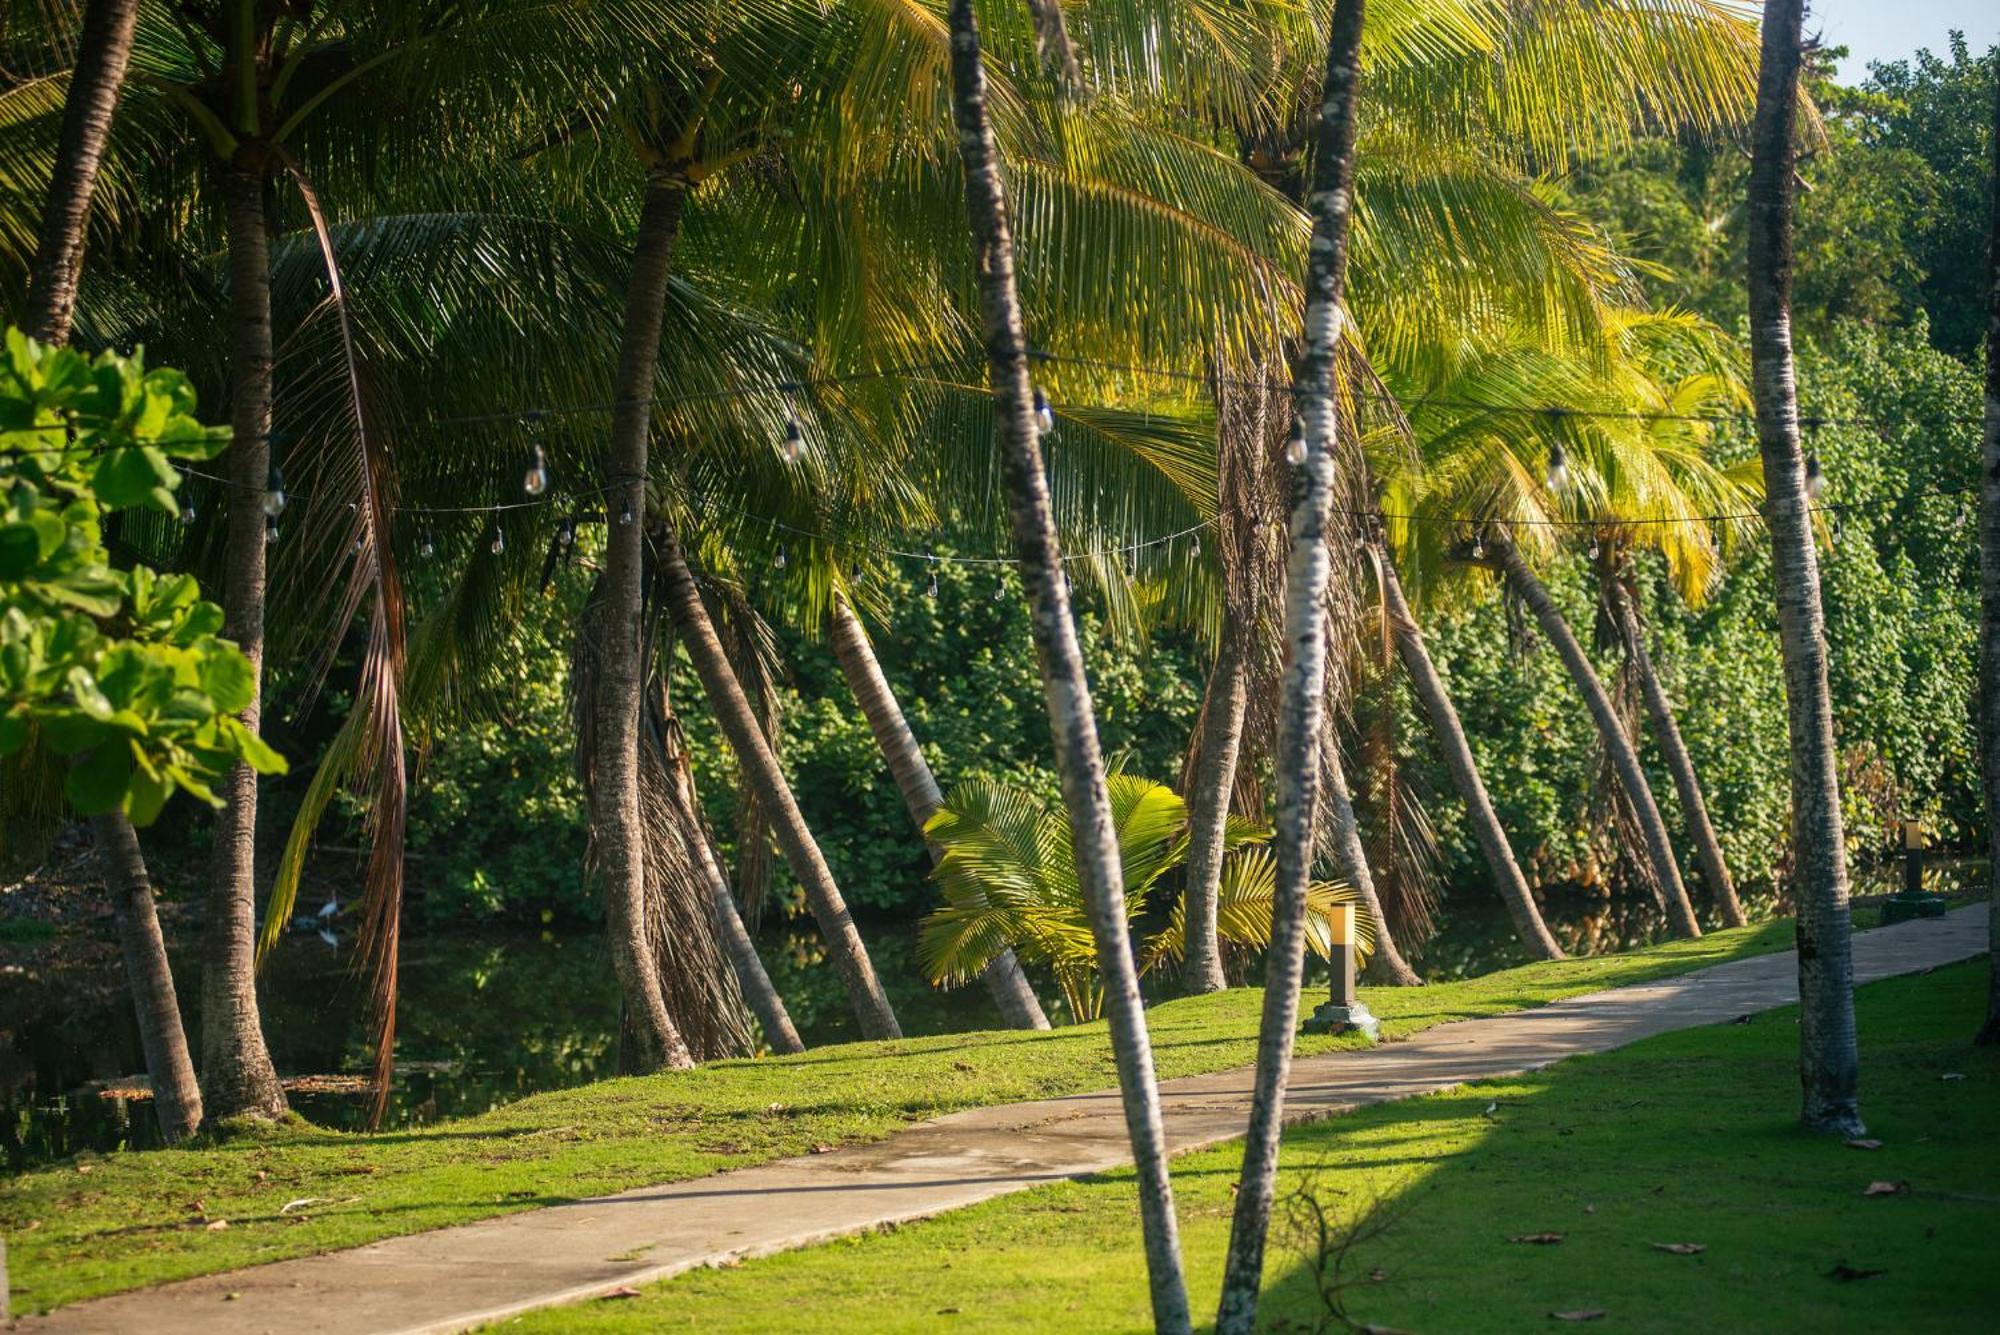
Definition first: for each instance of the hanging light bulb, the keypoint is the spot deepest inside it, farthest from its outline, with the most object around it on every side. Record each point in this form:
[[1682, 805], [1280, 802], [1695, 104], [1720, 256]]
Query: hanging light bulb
[[270, 528], [625, 516], [778, 562], [1594, 548], [1815, 479], [536, 480], [187, 512], [359, 543], [1479, 546], [795, 440], [499, 543], [1195, 547], [1045, 416], [999, 588], [932, 591], [566, 534], [1558, 476], [426, 546], [274, 493], [1295, 444]]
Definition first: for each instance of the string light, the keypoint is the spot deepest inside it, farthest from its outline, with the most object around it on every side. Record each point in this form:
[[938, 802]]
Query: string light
[[270, 529], [274, 492], [1815, 479], [536, 480], [625, 516], [932, 591], [1558, 476], [778, 562], [795, 439], [566, 534], [1595, 551], [499, 543], [187, 512], [1295, 444], [1045, 416], [426, 546]]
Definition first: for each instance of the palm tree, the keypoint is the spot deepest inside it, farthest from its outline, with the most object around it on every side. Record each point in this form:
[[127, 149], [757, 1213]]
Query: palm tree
[[1989, 587], [1330, 205], [104, 45], [1829, 1062], [1078, 759], [921, 795], [1450, 734]]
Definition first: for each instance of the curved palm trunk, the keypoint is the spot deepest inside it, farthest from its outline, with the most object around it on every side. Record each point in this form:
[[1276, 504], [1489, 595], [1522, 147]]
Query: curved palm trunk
[[1667, 732], [1450, 734], [1208, 809], [1624, 760], [176, 1095], [1352, 859], [1009, 987], [103, 49], [1071, 720], [1301, 707], [760, 767], [1989, 595], [1829, 1061], [617, 835], [758, 990], [237, 1079]]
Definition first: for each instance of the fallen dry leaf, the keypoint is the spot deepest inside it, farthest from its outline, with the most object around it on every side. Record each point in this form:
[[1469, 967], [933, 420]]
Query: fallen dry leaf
[[216, 1225], [1952, 1075], [1580, 1314], [231, 1297], [947, 1311], [822, 1148], [1378, 1274], [1681, 1248], [1538, 1239], [1845, 1272], [86, 1168], [1864, 1143], [1590, 1209], [1885, 1189], [623, 1291]]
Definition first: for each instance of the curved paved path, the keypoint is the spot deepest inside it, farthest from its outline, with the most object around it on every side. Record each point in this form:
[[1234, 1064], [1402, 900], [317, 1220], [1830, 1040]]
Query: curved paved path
[[455, 1278]]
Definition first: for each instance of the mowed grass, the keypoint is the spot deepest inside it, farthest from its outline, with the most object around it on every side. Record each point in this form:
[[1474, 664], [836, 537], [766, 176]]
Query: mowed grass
[[101, 1224], [1687, 1138]]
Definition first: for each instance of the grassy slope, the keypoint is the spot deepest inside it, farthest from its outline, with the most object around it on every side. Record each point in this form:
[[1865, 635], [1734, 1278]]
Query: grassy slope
[[1685, 1138], [103, 1224]]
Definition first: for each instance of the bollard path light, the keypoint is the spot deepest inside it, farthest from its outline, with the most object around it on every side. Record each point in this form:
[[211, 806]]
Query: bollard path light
[[1911, 901], [1343, 1011]]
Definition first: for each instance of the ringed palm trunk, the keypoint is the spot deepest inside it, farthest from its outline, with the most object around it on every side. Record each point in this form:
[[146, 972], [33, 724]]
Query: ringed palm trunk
[[1989, 594], [1301, 706], [746, 739], [237, 1079], [103, 49], [1450, 734], [751, 976], [1829, 1061], [1667, 732], [617, 835], [1624, 760], [1009, 987], [1208, 808], [1079, 762]]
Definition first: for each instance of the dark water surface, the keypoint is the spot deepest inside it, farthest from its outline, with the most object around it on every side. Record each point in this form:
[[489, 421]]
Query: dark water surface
[[491, 1016]]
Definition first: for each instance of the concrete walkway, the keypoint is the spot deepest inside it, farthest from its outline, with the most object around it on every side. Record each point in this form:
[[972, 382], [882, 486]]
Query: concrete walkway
[[455, 1278]]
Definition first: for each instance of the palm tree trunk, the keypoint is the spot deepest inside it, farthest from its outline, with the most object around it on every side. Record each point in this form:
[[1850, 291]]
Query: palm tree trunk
[[1208, 809], [1667, 732], [617, 835], [1989, 596], [1829, 1061], [1071, 719], [1352, 859], [176, 1094], [1450, 734], [1301, 706], [1624, 760], [1009, 987], [237, 1079], [758, 990], [760, 767], [103, 49]]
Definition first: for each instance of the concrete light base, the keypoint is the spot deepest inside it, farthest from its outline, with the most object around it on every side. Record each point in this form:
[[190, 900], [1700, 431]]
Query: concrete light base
[[1333, 1018], [1902, 908]]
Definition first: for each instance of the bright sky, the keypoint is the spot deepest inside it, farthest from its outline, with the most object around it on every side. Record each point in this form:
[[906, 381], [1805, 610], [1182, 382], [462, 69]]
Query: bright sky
[[1877, 30]]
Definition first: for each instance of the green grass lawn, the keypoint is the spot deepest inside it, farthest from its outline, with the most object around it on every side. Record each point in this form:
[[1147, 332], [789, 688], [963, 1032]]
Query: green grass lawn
[[104, 1223], [1687, 1138]]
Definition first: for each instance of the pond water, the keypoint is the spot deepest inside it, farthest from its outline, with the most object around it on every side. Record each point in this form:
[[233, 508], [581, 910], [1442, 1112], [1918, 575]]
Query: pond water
[[490, 1016]]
